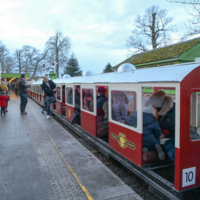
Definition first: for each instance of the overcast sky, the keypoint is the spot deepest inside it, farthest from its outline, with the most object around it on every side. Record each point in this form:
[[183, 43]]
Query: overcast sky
[[98, 29]]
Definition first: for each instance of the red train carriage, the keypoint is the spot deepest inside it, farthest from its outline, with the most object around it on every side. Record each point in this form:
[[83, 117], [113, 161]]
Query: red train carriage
[[176, 180]]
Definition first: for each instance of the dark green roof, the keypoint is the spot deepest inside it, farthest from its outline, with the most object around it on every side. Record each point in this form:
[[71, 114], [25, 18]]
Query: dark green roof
[[168, 52]]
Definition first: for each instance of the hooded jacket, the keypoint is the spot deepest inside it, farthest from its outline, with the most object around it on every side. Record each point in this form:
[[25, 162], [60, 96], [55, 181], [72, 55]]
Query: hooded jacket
[[3, 102], [48, 91], [167, 116], [3, 87], [151, 129], [22, 87], [100, 100]]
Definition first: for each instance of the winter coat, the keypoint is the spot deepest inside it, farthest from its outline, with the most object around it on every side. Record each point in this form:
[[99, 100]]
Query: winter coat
[[3, 87], [49, 91], [3, 102], [77, 101], [22, 87], [167, 116], [120, 101], [151, 129], [100, 100]]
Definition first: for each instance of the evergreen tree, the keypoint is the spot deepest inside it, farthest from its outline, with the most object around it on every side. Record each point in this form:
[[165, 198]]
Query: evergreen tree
[[72, 67], [108, 68]]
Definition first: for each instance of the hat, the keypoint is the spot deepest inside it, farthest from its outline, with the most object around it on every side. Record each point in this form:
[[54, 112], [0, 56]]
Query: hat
[[157, 99], [147, 107], [102, 90]]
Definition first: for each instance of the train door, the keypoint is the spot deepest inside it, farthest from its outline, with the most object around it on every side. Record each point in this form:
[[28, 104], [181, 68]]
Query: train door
[[59, 99], [75, 116], [88, 111], [125, 130], [102, 124], [69, 101]]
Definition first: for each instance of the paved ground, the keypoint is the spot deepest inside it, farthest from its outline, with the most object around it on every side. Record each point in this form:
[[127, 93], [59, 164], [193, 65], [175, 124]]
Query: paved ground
[[40, 160]]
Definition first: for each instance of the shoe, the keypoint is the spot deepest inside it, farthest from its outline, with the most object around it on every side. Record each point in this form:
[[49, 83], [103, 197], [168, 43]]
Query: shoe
[[23, 113], [145, 149], [6, 110], [161, 154], [48, 117]]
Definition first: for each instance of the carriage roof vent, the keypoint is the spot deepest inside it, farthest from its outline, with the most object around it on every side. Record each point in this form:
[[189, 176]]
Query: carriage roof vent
[[126, 67], [197, 60], [66, 76], [88, 73]]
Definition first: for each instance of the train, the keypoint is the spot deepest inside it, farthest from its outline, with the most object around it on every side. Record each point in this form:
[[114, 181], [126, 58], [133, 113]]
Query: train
[[166, 179]]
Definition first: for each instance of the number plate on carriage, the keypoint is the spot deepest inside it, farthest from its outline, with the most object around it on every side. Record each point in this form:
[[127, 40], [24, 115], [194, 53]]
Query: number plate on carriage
[[189, 175]]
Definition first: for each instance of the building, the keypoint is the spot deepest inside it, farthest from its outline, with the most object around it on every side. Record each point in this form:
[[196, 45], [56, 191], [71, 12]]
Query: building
[[181, 52]]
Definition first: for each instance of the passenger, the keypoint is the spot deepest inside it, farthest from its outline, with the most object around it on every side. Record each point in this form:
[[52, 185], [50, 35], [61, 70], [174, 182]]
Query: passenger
[[165, 115], [88, 99], [119, 103], [23, 93], [50, 89], [69, 97], [3, 99], [8, 93], [3, 86], [106, 114], [101, 98], [151, 129], [77, 113]]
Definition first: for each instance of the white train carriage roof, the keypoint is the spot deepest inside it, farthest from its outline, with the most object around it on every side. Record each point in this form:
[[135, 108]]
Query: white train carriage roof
[[171, 73]]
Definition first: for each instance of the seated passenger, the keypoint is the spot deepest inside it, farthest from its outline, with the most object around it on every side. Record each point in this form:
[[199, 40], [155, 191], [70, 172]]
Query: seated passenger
[[151, 129], [165, 115], [77, 113], [69, 97], [101, 98], [88, 99], [119, 103], [105, 109]]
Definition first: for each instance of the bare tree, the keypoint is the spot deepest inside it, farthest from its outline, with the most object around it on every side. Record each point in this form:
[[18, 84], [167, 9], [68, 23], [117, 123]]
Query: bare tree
[[4, 52], [9, 65], [18, 56], [58, 47], [151, 30], [192, 8], [36, 62]]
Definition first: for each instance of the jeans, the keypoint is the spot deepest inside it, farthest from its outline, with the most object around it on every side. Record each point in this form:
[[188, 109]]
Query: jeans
[[47, 105], [24, 101], [169, 148]]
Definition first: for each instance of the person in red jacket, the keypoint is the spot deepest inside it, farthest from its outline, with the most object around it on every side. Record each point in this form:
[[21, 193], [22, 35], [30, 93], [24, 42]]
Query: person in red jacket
[[3, 102]]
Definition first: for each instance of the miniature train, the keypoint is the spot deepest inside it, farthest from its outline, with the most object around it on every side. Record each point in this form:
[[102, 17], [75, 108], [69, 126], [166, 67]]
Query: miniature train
[[174, 180]]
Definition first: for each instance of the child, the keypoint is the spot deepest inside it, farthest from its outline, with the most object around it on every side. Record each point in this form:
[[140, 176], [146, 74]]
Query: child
[[119, 102], [151, 130], [3, 103]]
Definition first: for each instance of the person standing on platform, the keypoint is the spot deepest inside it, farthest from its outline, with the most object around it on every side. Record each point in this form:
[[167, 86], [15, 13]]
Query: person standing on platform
[[3, 100], [8, 94], [23, 93], [50, 89]]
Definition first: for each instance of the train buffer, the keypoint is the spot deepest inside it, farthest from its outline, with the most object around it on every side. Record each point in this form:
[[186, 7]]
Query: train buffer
[[40, 160]]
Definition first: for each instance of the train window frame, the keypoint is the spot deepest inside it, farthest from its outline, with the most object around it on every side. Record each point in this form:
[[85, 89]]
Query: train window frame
[[189, 115], [126, 88], [73, 96], [59, 85], [88, 86]]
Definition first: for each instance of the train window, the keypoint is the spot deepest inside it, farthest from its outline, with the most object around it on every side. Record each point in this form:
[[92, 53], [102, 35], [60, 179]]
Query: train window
[[195, 116], [69, 95], [59, 93], [87, 95], [124, 107]]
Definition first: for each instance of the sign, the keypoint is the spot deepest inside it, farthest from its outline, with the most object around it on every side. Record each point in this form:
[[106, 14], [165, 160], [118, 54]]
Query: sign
[[189, 176]]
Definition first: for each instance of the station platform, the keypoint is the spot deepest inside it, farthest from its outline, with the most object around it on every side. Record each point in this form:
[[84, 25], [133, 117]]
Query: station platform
[[40, 160]]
